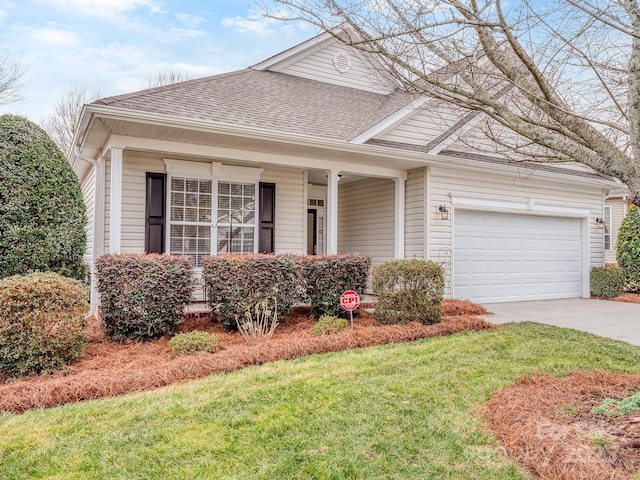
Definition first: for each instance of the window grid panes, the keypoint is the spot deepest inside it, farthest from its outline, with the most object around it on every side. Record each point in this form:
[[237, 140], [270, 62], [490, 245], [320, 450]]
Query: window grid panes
[[607, 228], [236, 217], [191, 207]]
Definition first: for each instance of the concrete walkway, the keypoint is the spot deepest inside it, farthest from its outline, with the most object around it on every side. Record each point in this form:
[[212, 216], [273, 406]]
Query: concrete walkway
[[617, 320]]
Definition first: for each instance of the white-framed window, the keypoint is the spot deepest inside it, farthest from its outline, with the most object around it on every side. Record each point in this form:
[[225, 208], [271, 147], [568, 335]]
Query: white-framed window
[[607, 228], [209, 216], [236, 224]]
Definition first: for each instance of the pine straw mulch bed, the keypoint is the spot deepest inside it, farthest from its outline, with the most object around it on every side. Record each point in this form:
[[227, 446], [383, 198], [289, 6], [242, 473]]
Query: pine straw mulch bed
[[628, 297], [548, 424], [109, 369]]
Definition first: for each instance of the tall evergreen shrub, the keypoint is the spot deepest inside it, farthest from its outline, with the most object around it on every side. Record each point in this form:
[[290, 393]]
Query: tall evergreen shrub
[[628, 248], [42, 214]]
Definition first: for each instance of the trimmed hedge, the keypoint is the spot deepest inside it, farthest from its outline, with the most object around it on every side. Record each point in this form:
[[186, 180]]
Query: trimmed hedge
[[607, 281], [42, 214], [408, 291], [628, 246], [143, 296], [329, 276], [235, 284], [42, 323]]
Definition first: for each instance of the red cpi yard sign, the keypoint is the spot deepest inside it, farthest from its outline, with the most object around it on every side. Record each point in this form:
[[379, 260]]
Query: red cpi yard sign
[[350, 300]]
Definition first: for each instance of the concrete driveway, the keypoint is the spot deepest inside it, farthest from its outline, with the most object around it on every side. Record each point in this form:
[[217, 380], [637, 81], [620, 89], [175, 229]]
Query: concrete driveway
[[617, 320]]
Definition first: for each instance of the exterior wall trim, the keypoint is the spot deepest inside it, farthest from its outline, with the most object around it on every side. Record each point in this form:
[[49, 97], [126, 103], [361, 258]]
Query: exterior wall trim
[[532, 207]]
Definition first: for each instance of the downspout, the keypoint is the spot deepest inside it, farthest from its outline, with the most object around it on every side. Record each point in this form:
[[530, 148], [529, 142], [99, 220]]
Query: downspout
[[96, 206]]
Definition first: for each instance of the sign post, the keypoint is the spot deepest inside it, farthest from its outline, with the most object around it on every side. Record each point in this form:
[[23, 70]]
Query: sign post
[[350, 300]]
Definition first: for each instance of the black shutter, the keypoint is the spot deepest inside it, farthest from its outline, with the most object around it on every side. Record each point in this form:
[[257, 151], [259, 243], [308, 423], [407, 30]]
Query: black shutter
[[155, 212], [267, 218]]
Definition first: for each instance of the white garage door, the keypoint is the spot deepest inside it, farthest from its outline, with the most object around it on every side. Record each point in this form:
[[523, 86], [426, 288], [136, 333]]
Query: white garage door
[[502, 258]]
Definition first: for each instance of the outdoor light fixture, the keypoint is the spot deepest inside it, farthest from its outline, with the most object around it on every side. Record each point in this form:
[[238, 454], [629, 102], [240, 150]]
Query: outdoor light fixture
[[599, 222], [444, 213]]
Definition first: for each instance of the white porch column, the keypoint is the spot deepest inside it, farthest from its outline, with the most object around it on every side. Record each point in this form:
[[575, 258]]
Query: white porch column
[[115, 201], [332, 212], [399, 218]]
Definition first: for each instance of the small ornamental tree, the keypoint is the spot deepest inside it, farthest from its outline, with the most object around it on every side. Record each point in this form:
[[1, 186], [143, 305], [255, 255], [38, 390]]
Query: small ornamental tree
[[42, 214], [628, 248]]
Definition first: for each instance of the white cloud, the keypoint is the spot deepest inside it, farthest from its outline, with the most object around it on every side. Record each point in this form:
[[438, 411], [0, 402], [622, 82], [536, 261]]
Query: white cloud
[[97, 6], [181, 33], [189, 20], [52, 38], [255, 26]]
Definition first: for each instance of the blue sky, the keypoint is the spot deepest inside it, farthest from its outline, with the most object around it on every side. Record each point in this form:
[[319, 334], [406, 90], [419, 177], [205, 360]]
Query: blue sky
[[116, 46]]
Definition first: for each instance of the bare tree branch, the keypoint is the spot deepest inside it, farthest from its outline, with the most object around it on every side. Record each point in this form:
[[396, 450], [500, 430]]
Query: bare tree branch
[[165, 78], [572, 68], [62, 124], [10, 74]]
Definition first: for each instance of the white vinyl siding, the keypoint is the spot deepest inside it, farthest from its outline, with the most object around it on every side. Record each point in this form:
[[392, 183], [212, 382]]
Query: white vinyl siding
[[89, 196], [414, 231], [290, 212], [424, 125], [134, 170], [291, 208], [320, 66], [522, 189], [366, 218]]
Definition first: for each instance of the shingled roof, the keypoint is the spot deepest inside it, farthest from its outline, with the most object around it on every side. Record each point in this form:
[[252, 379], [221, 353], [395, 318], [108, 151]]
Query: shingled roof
[[268, 100]]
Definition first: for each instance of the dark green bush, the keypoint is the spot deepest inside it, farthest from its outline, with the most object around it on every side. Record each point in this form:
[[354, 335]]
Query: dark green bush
[[42, 323], [607, 282], [193, 342], [628, 246], [42, 214], [235, 284], [408, 291], [328, 324], [329, 276], [143, 296]]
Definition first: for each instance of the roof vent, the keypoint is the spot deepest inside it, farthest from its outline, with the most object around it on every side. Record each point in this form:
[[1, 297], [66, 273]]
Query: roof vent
[[342, 62]]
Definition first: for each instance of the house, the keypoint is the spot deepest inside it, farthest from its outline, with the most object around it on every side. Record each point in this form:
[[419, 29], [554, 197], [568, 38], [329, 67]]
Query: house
[[616, 205], [314, 151]]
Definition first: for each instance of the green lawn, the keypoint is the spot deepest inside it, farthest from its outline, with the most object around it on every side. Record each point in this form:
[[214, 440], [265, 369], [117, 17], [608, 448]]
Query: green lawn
[[405, 411]]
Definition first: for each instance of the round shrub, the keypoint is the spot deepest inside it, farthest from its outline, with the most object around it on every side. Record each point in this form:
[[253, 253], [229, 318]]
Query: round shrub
[[237, 284], [193, 342], [143, 296], [408, 291], [328, 324], [607, 282], [327, 277], [628, 246], [42, 214], [42, 323]]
